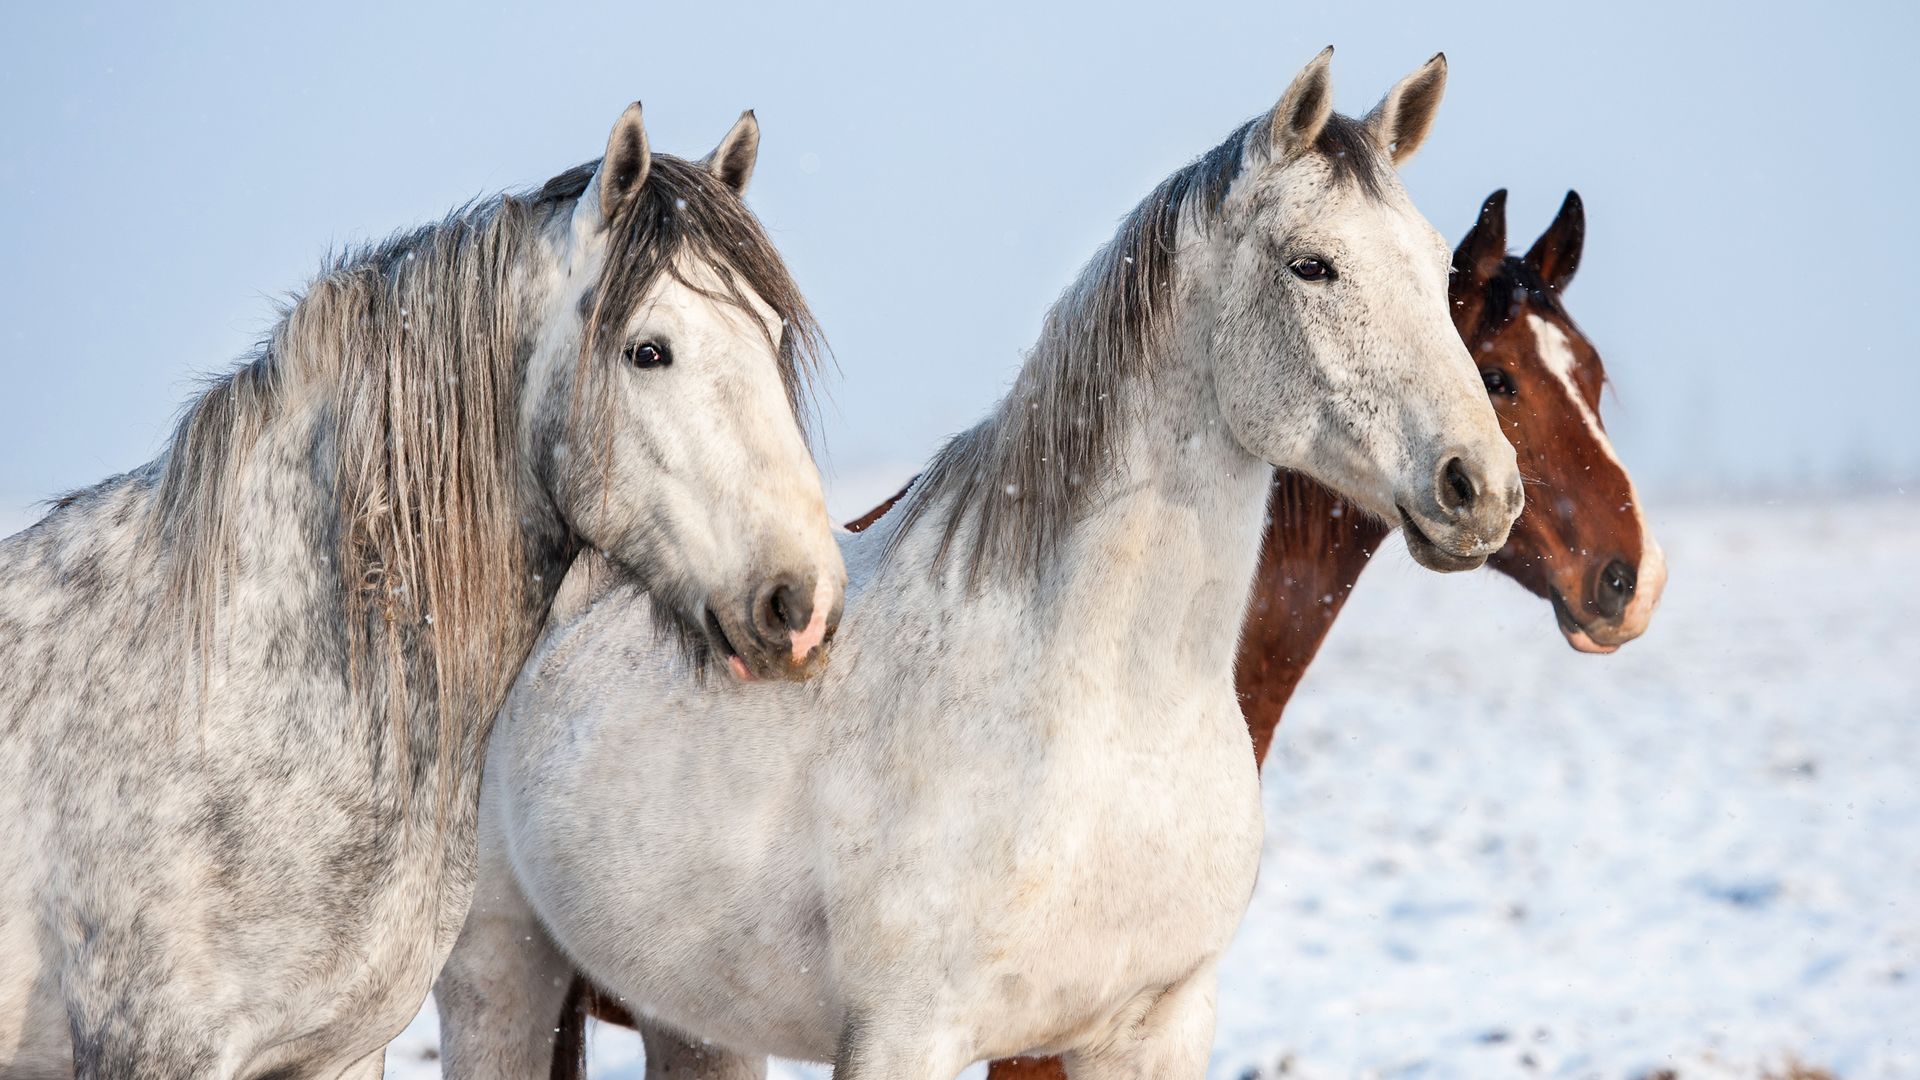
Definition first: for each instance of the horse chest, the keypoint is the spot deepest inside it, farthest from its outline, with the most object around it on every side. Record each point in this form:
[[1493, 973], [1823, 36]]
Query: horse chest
[[1141, 852], [1045, 894]]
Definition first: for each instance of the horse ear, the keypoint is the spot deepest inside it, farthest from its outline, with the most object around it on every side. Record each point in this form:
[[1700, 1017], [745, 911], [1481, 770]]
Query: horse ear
[[732, 161], [1402, 119], [1480, 254], [1556, 255], [1303, 110], [624, 168]]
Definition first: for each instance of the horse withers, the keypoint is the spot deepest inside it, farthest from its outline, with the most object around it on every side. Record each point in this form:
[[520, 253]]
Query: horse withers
[[953, 845], [246, 689]]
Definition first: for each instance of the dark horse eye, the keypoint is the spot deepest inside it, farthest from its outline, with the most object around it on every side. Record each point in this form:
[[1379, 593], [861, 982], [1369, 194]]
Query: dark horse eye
[[1309, 268], [648, 354], [1498, 381]]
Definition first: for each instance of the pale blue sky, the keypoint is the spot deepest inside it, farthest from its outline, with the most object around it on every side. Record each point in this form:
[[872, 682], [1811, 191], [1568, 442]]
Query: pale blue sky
[[936, 173]]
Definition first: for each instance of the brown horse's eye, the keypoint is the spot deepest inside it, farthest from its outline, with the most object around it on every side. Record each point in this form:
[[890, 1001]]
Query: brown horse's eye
[[1311, 268], [648, 354], [1498, 381]]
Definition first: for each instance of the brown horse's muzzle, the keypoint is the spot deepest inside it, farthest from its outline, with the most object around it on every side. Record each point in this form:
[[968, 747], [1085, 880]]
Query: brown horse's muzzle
[[1616, 603]]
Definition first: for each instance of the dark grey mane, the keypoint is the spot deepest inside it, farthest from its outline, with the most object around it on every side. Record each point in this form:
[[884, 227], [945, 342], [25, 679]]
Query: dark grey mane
[[1024, 473], [1349, 148]]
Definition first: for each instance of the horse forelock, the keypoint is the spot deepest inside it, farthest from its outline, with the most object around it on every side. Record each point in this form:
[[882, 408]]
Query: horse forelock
[[1348, 147], [685, 213]]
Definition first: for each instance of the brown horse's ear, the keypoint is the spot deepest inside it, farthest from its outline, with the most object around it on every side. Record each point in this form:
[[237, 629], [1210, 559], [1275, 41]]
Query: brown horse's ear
[[732, 161], [1480, 254], [1296, 122], [1556, 255]]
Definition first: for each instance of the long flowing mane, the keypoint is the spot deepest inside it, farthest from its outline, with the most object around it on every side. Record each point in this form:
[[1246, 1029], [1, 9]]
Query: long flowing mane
[[416, 351], [1023, 474]]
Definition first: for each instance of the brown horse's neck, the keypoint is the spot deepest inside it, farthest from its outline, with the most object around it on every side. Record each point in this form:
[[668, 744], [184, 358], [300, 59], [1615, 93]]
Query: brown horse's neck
[[1315, 547]]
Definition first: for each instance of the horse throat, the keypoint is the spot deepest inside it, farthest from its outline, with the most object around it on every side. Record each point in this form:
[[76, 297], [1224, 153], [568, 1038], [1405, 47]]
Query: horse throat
[[1155, 576]]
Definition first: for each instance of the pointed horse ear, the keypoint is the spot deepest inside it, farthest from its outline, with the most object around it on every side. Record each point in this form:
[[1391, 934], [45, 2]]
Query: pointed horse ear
[[732, 161], [1296, 122], [622, 172], [1556, 255], [1485, 247], [1402, 119]]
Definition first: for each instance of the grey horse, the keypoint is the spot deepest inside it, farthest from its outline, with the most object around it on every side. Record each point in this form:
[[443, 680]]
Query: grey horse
[[246, 688]]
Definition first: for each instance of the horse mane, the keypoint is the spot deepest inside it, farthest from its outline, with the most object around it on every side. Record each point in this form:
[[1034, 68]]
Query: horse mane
[[1025, 473], [684, 207], [414, 350]]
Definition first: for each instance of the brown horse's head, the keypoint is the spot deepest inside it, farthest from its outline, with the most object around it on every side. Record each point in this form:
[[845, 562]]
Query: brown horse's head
[[1583, 541]]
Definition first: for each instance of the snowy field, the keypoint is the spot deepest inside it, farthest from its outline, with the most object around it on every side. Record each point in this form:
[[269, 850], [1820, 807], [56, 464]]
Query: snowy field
[[1491, 857]]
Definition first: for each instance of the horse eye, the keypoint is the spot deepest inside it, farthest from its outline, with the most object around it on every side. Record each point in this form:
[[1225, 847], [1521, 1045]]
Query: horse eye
[[1498, 381], [1310, 268], [648, 354]]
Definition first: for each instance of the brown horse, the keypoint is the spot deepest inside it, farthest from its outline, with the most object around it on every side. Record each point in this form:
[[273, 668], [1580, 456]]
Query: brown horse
[[1582, 543]]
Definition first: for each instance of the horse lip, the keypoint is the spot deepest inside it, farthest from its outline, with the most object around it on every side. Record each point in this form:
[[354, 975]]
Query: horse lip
[[717, 634], [759, 665], [1577, 635], [1424, 549]]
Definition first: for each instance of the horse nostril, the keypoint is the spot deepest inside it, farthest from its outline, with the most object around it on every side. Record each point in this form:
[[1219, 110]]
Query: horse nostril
[[1614, 589], [787, 608], [1455, 489]]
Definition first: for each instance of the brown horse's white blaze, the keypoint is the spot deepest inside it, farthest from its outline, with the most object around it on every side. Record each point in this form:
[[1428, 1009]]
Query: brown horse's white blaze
[[1642, 590], [1571, 547]]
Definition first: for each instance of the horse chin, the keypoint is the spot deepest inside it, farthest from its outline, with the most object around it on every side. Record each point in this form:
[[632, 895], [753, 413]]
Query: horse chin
[[720, 644], [1576, 634], [748, 664], [708, 640], [1582, 643], [1432, 555]]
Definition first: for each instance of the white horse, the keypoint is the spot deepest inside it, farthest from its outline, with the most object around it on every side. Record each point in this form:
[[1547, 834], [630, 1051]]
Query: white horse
[[1032, 694], [245, 689]]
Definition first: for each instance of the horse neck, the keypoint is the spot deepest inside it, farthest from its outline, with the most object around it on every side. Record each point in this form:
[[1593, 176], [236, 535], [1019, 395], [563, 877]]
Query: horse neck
[[1154, 577], [1314, 549]]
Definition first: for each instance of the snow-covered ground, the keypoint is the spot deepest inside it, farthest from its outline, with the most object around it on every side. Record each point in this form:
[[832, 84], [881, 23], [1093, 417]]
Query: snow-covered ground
[[1491, 857]]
